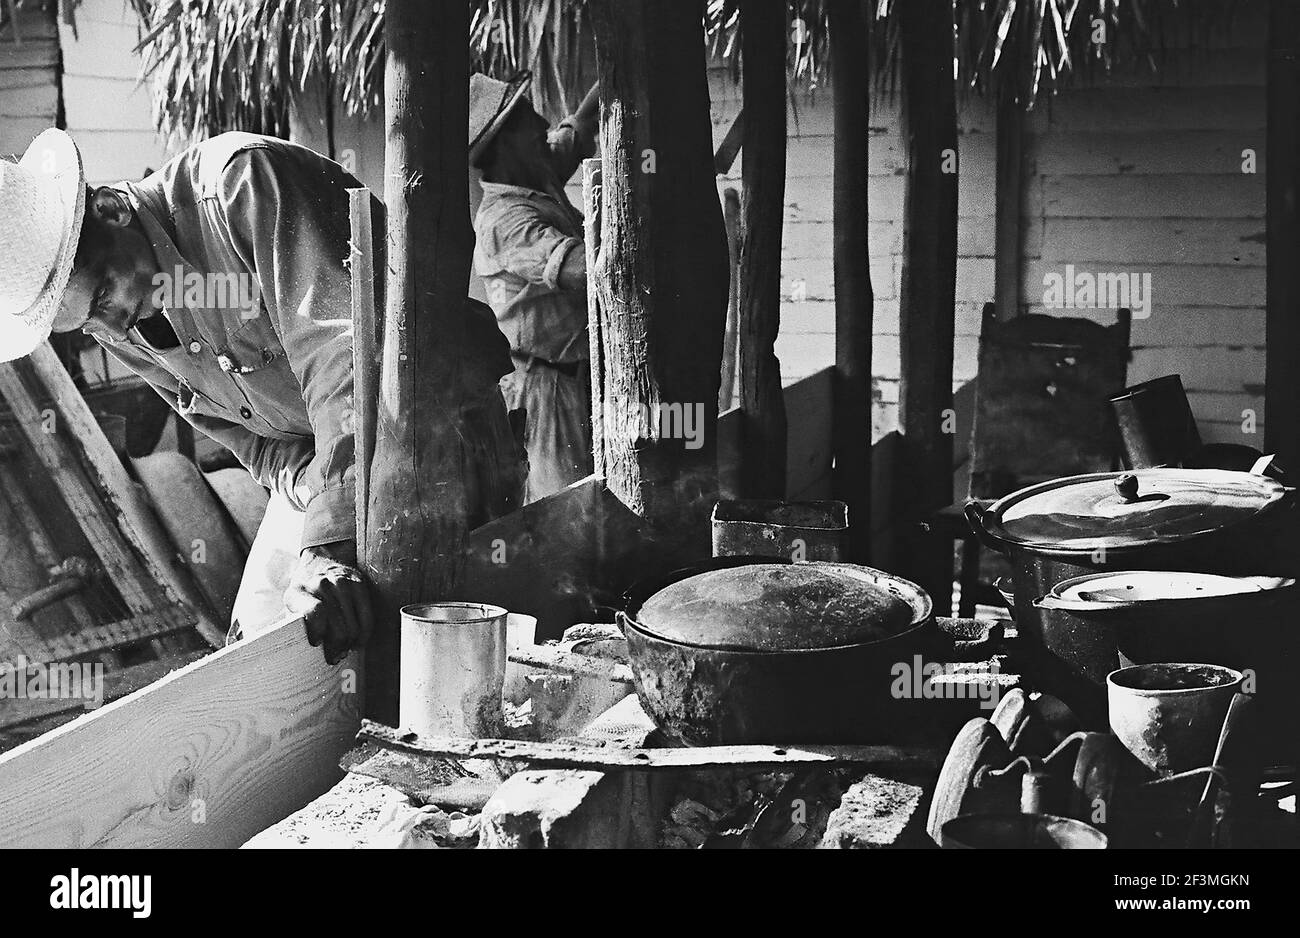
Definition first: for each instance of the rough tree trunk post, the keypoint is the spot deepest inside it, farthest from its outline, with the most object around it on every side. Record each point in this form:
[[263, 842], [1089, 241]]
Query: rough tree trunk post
[[854, 298], [418, 500], [928, 288], [763, 459], [661, 273], [1282, 169]]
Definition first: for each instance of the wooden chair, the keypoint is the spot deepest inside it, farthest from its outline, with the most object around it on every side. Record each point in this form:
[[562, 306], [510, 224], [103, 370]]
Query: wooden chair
[[1042, 411]]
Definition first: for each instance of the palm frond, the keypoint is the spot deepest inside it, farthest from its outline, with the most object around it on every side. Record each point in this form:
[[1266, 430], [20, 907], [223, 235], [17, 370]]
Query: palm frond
[[225, 64]]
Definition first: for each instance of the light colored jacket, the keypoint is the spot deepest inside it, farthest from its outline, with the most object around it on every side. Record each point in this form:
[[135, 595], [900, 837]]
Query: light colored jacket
[[522, 237]]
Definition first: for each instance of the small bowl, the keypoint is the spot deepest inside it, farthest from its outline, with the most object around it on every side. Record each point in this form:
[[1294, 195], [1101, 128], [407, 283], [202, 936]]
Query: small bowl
[[1019, 832]]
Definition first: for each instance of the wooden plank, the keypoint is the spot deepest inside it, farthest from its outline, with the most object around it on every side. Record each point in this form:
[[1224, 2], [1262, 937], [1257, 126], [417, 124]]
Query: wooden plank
[[1153, 196], [1238, 242], [118, 682], [578, 755], [206, 757], [1101, 110], [1142, 152]]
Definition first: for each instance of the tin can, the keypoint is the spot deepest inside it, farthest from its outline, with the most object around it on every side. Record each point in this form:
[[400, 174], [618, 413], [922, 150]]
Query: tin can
[[453, 668]]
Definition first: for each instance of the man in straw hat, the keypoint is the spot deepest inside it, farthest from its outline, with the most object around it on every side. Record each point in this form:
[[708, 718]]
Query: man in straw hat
[[529, 252], [221, 279]]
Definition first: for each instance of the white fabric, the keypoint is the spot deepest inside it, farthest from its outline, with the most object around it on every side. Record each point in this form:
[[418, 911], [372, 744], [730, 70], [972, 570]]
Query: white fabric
[[271, 561], [42, 202]]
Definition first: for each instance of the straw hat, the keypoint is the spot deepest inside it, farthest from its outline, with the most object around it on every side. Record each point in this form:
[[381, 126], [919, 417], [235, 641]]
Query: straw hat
[[490, 103], [42, 201]]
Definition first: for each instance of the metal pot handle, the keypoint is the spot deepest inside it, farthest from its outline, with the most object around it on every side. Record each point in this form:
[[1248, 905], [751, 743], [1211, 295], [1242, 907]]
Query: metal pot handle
[[1080, 605], [975, 513]]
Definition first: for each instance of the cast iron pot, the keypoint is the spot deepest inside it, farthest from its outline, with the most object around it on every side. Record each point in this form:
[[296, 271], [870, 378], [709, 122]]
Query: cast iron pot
[[1251, 624], [1203, 520], [730, 677]]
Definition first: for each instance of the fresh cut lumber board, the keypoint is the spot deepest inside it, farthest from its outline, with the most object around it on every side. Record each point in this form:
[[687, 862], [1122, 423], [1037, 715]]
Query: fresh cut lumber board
[[206, 757]]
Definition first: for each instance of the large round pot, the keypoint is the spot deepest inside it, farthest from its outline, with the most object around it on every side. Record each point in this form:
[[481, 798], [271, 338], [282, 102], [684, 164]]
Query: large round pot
[[1206, 520], [1151, 617], [735, 651]]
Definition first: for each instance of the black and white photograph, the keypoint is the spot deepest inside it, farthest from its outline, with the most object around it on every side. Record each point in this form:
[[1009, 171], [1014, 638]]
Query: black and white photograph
[[649, 425]]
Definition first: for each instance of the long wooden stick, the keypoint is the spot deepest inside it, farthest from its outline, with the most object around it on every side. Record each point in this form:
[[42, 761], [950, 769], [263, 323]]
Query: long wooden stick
[[138, 524], [585, 756], [365, 353]]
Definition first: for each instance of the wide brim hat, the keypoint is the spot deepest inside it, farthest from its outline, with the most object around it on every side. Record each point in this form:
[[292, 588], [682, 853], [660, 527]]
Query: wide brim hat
[[42, 203], [490, 103]]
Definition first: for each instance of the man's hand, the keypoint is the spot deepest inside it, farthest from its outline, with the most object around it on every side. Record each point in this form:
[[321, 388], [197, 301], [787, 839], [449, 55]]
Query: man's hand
[[332, 597]]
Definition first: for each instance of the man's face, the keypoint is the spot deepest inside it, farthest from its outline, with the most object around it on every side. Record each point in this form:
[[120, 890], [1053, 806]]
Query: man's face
[[112, 284], [520, 153]]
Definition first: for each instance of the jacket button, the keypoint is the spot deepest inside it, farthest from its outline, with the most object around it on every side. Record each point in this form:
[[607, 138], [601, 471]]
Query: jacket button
[[195, 348], [245, 413]]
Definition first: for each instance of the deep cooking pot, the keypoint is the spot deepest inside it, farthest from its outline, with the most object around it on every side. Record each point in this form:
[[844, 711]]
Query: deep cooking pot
[[1127, 618], [745, 650], [1206, 520]]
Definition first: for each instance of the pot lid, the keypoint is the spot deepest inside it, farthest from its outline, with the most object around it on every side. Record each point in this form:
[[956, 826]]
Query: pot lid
[[1130, 509], [1141, 586], [784, 607]]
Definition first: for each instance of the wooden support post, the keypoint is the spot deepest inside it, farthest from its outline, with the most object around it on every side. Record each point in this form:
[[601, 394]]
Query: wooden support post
[[763, 32], [854, 297], [419, 502], [1282, 169], [928, 287], [660, 277]]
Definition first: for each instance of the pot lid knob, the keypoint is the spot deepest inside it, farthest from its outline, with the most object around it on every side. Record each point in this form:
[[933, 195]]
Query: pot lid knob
[[1127, 487]]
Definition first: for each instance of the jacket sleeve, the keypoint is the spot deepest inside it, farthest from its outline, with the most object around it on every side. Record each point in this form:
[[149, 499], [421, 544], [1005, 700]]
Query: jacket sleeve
[[287, 216], [514, 237]]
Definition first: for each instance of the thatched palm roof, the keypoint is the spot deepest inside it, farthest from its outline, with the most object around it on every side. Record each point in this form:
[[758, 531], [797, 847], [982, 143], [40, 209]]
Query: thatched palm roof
[[236, 64]]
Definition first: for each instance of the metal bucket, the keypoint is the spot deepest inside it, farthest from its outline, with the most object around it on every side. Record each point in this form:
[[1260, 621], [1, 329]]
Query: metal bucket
[[814, 530], [1170, 715], [453, 668]]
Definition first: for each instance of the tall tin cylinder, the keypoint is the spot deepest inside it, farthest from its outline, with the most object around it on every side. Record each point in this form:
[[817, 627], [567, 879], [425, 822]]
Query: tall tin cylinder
[[453, 668]]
